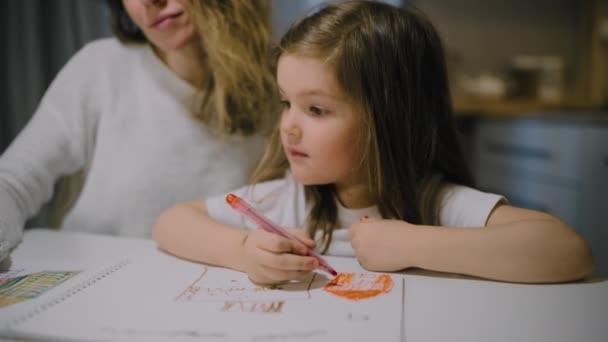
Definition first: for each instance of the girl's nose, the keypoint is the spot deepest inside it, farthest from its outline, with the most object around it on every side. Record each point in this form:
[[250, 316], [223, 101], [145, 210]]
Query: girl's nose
[[293, 135], [290, 128]]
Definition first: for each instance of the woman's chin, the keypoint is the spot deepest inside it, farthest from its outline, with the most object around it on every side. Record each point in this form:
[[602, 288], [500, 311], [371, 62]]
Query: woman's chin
[[175, 42]]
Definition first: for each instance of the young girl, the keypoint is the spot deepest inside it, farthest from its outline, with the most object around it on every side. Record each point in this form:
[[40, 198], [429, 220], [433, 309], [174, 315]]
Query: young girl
[[367, 132]]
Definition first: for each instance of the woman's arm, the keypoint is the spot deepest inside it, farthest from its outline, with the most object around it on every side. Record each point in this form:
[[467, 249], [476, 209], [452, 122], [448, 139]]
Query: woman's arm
[[188, 232], [58, 140], [517, 245]]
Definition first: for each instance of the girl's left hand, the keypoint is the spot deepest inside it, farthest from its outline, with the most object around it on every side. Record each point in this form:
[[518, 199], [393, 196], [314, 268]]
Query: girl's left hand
[[382, 245]]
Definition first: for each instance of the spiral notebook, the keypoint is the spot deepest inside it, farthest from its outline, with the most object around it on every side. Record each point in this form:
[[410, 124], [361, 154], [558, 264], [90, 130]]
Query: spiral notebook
[[99, 288]]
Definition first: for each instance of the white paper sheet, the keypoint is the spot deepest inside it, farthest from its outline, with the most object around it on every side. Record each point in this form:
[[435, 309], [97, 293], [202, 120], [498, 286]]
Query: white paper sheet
[[154, 296]]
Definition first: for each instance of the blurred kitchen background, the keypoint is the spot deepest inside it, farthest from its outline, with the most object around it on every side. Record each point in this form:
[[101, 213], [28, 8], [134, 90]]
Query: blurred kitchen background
[[529, 80]]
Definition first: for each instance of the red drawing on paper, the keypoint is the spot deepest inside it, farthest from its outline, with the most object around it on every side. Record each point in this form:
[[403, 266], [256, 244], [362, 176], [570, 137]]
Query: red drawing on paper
[[359, 286], [242, 306], [239, 294]]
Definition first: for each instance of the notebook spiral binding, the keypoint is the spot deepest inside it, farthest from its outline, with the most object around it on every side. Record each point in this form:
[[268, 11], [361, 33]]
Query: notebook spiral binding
[[68, 293]]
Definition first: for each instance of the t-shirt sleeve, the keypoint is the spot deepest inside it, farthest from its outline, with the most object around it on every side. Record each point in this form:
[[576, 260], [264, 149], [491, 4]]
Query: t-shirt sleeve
[[462, 206], [282, 201]]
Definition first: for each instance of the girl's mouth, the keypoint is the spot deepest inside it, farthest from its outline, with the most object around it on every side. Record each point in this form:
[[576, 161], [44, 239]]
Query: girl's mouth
[[295, 153]]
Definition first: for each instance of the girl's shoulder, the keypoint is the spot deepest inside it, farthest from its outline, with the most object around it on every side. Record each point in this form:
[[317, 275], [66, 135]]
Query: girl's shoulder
[[282, 200], [463, 206], [273, 192]]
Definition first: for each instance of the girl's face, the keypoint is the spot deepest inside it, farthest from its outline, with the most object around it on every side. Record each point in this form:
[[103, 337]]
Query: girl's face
[[165, 23], [318, 126]]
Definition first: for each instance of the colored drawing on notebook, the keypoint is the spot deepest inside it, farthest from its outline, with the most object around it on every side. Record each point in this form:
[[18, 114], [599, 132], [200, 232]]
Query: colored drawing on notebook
[[359, 286], [21, 288], [9, 274], [239, 294], [208, 288]]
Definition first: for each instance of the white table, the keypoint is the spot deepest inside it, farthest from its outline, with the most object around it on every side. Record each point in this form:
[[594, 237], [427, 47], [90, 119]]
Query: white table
[[436, 307]]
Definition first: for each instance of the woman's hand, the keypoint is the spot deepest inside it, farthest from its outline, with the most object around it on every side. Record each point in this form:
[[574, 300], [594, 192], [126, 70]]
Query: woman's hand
[[383, 245], [270, 259]]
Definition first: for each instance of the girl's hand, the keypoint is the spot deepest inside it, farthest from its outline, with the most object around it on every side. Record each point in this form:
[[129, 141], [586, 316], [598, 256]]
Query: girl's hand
[[383, 245], [270, 259]]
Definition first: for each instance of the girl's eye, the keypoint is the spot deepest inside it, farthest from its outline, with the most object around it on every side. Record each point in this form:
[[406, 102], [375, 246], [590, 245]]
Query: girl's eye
[[316, 111], [284, 104]]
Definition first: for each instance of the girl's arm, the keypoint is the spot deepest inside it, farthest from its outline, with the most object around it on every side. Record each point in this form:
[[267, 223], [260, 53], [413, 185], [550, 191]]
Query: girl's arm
[[188, 232], [517, 245]]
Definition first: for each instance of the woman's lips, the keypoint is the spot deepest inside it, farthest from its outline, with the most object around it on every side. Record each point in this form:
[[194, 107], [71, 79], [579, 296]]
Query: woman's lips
[[165, 20]]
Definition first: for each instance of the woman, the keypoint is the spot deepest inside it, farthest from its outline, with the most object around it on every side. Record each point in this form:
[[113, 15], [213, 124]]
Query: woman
[[175, 110]]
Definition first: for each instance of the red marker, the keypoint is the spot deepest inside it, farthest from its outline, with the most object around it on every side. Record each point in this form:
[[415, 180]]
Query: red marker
[[241, 206]]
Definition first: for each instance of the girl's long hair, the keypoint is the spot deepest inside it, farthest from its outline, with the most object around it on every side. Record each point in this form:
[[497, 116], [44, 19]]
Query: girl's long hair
[[238, 92], [390, 63]]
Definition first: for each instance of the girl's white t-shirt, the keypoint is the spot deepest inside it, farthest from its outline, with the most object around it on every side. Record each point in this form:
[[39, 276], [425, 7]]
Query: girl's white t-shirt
[[283, 202]]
